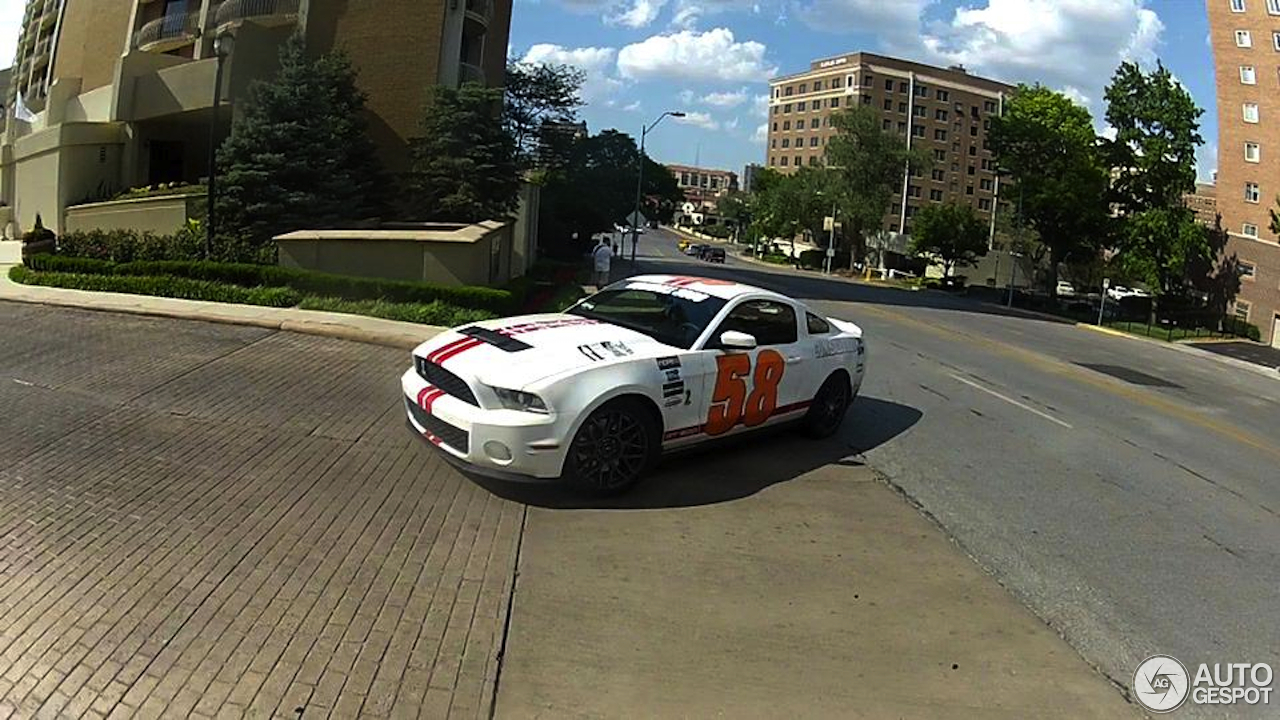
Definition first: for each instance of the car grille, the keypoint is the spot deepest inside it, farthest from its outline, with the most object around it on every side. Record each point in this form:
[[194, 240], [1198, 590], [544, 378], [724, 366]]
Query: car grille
[[454, 437], [445, 380]]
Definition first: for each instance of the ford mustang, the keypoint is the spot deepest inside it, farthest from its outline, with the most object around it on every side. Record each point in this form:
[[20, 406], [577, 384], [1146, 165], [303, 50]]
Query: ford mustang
[[647, 365]]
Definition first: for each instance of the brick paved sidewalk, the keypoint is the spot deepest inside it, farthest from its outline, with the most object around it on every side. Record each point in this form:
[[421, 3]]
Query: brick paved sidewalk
[[207, 520]]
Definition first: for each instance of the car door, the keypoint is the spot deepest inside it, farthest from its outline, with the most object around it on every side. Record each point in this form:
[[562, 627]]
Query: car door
[[751, 388]]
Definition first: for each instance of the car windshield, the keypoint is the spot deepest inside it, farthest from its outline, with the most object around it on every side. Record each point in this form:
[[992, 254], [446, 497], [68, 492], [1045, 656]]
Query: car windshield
[[672, 318]]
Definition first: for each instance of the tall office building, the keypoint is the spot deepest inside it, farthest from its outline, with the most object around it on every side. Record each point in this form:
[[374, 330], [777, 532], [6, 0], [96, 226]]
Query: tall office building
[[120, 92], [946, 110], [749, 174], [1245, 35]]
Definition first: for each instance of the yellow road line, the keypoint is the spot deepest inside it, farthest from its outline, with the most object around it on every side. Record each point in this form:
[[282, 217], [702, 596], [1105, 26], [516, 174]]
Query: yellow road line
[[1041, 361]]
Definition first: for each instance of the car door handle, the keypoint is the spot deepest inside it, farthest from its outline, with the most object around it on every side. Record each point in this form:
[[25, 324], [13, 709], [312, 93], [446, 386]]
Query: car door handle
[[794, 358]]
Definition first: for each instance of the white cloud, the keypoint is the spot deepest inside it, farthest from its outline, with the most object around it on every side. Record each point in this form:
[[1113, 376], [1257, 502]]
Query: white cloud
[[713, 55], [761, 134], [689, 12], [731, 124], [1076, 95], [889, 20], [725, 99], [632, 107], [638, 15], [686, 96], [700, 120], [1206, 161], [596, 62], [1071, 45], [760, 106]]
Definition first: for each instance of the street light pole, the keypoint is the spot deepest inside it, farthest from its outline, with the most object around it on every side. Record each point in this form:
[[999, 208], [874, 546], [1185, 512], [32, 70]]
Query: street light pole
[[635, 217], [222, 46]]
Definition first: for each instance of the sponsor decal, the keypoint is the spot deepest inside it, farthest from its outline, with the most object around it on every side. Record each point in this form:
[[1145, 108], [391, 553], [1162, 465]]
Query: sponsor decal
[[673, 401], [836, 346], [1162, 684], [673, 389], [667, 363], [699, 429], [605, 350], [673, 374], [673, 290]]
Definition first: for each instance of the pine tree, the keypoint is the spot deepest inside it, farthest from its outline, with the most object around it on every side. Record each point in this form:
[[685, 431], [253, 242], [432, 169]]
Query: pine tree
[[300, 155], [464, 163]]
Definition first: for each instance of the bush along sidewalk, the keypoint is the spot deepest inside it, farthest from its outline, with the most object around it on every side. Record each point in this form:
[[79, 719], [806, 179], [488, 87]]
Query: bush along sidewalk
[[104, 276]]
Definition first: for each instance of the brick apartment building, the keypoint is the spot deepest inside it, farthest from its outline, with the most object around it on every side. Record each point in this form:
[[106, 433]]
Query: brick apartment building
[[702, 187], [946, 110], [121, 91], [1245, 35], [1204, 203]]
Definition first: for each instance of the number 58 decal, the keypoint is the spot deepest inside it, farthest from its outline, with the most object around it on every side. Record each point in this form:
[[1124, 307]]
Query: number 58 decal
[[730, 401]]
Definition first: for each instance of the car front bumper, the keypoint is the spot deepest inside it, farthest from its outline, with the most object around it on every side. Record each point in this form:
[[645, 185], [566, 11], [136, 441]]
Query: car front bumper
[[506, 444]]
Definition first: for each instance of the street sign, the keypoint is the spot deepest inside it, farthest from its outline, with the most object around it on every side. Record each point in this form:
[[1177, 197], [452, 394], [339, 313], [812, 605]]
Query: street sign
[[1106, 283], [831, 252], [828, 223], [636, 219]]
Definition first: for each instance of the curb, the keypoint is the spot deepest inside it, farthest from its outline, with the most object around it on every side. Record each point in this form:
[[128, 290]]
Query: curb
[[342, 326], [1178, 346]]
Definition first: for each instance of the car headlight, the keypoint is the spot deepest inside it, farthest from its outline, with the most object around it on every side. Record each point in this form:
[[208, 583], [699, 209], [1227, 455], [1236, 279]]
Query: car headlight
[[519, 400]]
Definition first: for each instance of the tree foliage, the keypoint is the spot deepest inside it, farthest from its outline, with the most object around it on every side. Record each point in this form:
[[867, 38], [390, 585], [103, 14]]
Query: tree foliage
[[299, 156], [1153, 161], [538, 96], [951, 232], [1046, 145], [463, 165], [785, 206], [867, 164]]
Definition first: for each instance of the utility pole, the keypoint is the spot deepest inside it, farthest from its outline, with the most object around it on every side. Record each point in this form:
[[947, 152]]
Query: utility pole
[[635, 217]]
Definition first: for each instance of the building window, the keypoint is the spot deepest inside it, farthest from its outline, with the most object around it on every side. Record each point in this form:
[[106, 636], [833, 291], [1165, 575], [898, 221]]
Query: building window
[[786, 108], [784, 161], [1241, 310], [813, 141], [902, 88], [902, 128], [902, 108], [888, 104], [939, 155], [775, 126], [804, 88], [772, 161], [985, 184], [1247, 76], [917, 130], [973, 151], [1250, 112], [1252, 152], [867, 81], [772, 143], [887, 124], [973, 131], [943, 95], [922, 91], [968, 190], [920, 111], [802, 106], [1252, 193], [911, 210], [973, 111], [888, 86], [940, 135], [984, 204], [938, 175], [813, 159], [799, 161], [1244, 39], [813, 124], [1275, 40], [940, 115], [935, 195], [1273, 7], [786, 124], [786, 142], [989, 106], [788, 91], [1237, 5], [913, 190], [973, 170], [866, 99], [1247, 269], [987, 164], [1249, 230], [835, 102]]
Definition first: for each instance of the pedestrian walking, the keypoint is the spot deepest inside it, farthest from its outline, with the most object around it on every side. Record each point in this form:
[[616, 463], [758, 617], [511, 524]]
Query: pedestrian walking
[[603, 256]]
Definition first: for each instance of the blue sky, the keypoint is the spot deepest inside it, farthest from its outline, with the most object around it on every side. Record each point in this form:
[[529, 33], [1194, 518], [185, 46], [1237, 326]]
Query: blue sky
[[711, 58]]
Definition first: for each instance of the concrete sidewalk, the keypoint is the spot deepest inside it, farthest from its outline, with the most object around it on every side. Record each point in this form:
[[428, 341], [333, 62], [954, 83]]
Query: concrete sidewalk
[[359, 328], [825, 595]]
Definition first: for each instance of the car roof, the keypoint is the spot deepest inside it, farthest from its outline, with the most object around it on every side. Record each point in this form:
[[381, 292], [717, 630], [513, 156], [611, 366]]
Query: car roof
[[724, 289]]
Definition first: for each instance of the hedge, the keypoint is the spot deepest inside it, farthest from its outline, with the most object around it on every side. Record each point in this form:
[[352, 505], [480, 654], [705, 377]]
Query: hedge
[[1241, 328], [302, 282], [433, 313], [161, 286]]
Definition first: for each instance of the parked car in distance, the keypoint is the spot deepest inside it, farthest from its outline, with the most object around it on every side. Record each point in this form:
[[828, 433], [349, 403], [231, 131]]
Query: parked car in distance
[[1065, 289], [694, 250], [713, 254]]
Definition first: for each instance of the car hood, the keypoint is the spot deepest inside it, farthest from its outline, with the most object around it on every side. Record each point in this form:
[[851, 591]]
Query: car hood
[[515, 352]]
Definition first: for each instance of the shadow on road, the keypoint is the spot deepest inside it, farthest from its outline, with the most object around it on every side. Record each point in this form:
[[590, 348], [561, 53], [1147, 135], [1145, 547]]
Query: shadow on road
[[812, 286], [733, 468]]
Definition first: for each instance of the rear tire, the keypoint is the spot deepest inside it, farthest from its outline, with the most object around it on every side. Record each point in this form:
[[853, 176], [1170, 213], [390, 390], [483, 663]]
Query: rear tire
[[613, 448], [829, 407]]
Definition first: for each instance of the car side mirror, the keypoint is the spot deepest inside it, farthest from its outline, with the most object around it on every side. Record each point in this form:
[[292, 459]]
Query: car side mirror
[[738, 340]]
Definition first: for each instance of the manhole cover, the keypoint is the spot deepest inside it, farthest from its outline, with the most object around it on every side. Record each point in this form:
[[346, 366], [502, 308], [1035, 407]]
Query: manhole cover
[[1130, 375]]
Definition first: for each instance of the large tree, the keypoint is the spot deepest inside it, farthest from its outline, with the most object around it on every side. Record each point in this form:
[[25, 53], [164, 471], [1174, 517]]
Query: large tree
[[868, 165], [1046, 145], [538, 100], [951, 232], [1152, 159], [299, 156], [463, 165]]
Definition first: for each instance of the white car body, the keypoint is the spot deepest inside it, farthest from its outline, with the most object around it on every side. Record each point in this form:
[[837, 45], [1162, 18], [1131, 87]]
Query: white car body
[[576, 364]]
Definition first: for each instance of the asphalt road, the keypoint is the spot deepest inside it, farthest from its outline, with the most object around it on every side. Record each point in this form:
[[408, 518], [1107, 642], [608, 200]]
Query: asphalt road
[[1128, 493]]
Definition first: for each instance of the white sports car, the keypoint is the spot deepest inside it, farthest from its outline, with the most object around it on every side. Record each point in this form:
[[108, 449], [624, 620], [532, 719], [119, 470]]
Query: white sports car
[[648, 364]]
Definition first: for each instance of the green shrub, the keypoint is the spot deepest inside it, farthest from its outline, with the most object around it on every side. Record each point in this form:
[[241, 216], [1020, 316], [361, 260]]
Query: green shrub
[[160, 286], [1241, 328], [715, 231], [434, 313], [58, 263], [777, 259], [130, 245]]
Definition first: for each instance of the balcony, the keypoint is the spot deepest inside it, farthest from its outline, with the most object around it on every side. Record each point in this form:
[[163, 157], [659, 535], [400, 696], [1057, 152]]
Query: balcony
[[480, 10], [470, 73], [168, 32], [262, 12]]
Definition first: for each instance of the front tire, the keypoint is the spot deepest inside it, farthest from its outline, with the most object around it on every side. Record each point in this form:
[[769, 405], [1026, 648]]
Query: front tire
[[829, 407], [612, 449]]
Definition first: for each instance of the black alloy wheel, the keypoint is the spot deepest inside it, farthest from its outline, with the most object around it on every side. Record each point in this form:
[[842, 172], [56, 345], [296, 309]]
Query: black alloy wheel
[[612, 449]]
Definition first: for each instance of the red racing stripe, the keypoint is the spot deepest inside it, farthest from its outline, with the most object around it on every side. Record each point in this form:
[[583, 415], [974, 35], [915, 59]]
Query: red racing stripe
[[446, 347], [423, 392], [431, 399], [470, 343]]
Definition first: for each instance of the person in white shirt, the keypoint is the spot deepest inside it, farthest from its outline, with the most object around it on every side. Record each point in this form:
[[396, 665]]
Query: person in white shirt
[[602, 255]]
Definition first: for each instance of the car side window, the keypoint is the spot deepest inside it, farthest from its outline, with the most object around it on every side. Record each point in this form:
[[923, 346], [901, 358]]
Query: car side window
[[771, 322], [817, 326]]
